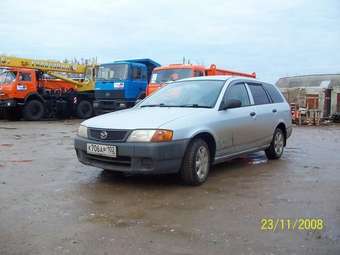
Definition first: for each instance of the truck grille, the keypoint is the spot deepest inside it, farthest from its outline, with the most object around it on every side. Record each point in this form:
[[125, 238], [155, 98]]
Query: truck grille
[[108, 135], [109, 94]]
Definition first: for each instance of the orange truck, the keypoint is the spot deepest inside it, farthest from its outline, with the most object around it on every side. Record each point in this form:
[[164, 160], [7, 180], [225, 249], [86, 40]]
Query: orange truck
[[35, 89], [162, 75]]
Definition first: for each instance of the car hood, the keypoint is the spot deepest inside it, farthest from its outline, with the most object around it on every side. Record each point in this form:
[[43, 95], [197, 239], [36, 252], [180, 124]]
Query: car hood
[[138, 118]]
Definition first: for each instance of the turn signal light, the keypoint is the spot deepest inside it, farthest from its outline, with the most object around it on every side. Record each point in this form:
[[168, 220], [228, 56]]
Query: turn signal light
[[162, 136]]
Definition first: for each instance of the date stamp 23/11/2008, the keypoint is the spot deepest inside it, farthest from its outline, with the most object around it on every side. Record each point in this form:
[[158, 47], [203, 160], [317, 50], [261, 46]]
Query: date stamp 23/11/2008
[[299, 224]]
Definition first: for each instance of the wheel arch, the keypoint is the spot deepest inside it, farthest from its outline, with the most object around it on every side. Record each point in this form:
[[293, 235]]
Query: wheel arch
[[34, 96], [209, 139]]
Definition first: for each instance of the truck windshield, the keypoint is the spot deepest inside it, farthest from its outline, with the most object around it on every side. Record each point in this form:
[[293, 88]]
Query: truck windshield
[[161, 76], [196, 94], [7, 77], [113, 72]]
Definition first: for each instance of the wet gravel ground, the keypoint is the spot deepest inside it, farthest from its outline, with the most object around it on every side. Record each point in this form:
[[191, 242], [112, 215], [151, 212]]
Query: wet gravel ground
[[51, 204]]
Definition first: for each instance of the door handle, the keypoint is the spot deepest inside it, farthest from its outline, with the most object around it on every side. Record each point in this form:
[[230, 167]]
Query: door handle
[[252, 114], [274, 111]]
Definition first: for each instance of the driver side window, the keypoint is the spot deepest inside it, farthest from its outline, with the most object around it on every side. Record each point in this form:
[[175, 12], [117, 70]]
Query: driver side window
[[136, 73], [239, 92]]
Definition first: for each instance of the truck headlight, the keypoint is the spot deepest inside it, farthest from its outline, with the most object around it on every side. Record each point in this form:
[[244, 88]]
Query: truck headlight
[[82, 131], [150, 135]]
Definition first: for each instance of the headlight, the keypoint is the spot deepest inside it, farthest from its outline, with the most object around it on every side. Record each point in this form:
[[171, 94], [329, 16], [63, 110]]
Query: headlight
[[151, 135], [82, 131]]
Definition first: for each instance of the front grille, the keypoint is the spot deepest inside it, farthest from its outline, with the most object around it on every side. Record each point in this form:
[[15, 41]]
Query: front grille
[[111, 135], [109, 94]]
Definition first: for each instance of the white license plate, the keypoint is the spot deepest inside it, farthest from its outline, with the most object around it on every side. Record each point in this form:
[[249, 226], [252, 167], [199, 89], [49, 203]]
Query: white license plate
[[102, 150]]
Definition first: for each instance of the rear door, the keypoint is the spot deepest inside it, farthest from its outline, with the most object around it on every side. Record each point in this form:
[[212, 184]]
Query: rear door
[[264, 114]]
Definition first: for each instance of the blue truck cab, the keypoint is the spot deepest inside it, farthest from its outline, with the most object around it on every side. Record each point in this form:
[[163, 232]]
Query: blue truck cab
[[119, 84]]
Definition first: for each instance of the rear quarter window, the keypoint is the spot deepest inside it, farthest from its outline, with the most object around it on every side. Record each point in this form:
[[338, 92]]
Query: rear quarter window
[[273, 93]]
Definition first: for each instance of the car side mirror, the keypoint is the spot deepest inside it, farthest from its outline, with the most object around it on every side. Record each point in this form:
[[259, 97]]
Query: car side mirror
[[231, 103]]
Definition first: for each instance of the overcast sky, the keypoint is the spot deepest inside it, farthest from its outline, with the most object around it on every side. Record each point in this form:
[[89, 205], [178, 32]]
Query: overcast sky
[[275, 38]]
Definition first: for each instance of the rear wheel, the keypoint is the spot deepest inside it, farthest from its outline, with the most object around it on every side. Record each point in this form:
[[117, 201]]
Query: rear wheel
[[196, 163], [33, 110], [276, 147], [84, 110]]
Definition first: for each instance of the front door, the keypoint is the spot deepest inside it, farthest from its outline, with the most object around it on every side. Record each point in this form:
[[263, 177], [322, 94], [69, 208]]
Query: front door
[[238, 123]]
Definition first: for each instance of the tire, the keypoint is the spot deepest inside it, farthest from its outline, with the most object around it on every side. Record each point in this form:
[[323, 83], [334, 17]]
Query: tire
[[33, 110], [192, 172], [84, 110], [275, 150]]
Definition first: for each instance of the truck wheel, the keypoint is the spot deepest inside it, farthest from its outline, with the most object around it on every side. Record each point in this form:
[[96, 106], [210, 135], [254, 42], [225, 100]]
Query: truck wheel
[[196, 163], [84, 110], [33, 110], [275, 150]]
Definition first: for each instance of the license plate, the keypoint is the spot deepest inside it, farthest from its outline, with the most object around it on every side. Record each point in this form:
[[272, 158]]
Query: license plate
[[102, 150]]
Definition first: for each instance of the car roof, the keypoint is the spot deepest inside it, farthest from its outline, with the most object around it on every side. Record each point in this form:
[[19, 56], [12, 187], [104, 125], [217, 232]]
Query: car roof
[[219, 78]]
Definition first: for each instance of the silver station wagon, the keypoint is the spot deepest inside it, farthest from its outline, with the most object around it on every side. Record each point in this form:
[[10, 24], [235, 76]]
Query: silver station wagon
[[188, 126]]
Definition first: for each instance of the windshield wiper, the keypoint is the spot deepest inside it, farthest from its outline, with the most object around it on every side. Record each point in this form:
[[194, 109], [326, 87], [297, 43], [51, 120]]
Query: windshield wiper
[[194, 106], [153, 105]]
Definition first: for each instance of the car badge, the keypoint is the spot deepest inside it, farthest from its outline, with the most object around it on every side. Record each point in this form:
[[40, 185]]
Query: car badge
[[103, 135]]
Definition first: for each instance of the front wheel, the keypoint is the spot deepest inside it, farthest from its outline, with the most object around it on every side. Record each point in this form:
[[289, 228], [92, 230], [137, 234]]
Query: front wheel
[[33, 110], [275, 150], [196, 163]]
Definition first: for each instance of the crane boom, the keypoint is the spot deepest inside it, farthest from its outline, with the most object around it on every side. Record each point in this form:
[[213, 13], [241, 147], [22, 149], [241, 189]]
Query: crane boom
[[55, 68], [43, 65]]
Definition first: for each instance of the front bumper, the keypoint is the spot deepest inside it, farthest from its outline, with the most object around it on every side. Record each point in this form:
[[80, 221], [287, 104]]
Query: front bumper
[[8, 103], [105, 106], [136, 157]]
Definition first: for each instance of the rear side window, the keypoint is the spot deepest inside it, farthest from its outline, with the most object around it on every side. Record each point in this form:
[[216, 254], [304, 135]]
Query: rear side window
[[259, 94], [273, 93]]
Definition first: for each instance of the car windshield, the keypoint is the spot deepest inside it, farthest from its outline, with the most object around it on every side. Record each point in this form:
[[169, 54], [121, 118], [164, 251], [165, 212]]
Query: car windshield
[[112, 72], [166, 75], [7, 77], [196, 94]]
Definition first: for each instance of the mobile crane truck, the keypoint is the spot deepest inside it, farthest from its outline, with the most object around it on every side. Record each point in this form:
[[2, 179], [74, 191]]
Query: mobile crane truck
[[121, 83], [162, 75], [27, 89]]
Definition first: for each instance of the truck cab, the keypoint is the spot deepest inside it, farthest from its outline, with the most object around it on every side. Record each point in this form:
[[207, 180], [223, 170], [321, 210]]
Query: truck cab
[[162, 75], [15, 84], [121, 83]]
